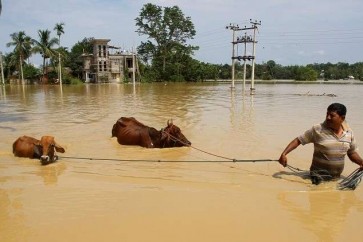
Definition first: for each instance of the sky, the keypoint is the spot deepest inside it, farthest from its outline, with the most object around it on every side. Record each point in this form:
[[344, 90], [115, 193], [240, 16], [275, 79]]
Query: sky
[[291, 32]]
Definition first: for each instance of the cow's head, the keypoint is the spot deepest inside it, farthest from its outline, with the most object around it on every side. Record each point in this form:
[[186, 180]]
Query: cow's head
[[48, 148], [172, 136]]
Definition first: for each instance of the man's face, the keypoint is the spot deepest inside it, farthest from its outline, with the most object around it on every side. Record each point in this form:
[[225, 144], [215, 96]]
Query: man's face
[[334, 120]]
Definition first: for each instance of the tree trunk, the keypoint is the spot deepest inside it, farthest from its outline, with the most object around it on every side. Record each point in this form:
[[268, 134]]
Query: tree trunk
[[44, 79], [21, 70]]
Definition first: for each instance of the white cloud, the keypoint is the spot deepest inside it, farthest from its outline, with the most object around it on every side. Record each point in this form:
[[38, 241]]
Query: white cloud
[[319, 52], [311, 53]]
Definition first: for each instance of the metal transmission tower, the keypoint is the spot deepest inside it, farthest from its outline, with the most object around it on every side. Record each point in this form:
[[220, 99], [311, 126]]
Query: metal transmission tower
[[254, 26]]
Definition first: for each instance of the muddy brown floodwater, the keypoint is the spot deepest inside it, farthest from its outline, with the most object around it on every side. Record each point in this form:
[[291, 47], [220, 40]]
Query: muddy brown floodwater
[[110, 195]]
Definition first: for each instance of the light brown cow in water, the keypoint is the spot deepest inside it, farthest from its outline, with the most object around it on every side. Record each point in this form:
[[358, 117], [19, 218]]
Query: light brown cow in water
[[43, 149]]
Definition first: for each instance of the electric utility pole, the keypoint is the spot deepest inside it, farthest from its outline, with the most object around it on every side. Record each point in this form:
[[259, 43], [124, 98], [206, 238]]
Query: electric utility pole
[[2, 68], [245, 39], [254, 26], [234, 28], [133, 67], [59, 69]]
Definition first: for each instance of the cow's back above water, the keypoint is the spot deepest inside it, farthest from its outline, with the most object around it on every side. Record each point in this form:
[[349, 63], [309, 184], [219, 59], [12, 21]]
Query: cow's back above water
[[129, 131]]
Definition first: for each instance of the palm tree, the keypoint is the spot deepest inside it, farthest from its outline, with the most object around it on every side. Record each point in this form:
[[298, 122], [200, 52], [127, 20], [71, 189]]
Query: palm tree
[[22, 46], [59, 28], [45, 47]]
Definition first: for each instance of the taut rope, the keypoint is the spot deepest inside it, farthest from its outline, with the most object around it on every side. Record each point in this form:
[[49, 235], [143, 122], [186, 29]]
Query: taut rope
[[349, 183], [227, 159], [175, 161]]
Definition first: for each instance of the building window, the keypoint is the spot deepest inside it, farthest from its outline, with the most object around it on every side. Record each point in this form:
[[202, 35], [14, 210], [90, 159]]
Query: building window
[[100, 66], [99, 51], [104, 51], [104, 66], [129, 63]]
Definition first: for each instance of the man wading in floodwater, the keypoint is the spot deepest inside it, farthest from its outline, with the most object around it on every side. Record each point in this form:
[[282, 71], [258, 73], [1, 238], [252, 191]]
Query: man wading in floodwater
[[332, 139]]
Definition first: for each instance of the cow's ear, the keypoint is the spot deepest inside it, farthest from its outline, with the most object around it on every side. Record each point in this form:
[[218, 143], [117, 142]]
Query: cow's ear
[[170, 122], [121, 122], [58, 148]]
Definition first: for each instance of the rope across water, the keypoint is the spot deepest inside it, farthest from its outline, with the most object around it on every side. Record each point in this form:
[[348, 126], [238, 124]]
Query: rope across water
[[226, 159], [349, 183], [176, 161]]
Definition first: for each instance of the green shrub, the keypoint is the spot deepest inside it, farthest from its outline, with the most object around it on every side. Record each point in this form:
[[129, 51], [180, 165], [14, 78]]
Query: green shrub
[[68, 79]]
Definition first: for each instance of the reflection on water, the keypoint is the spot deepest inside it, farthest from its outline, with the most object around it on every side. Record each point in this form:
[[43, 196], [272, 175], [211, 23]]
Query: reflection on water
[[50, 173], [109, 199], [322, 212]]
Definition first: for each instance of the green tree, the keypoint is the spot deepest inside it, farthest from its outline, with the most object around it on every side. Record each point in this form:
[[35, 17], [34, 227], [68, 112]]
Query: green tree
[[193, 70], [224, 72], [10, 64], [329, 71], [45, 47], [303, 73], [22, 46], [74, 60], [344, 70], [31, 72], [60, 30], [358, 70], [270, 70], [280, 72], [168, 31]]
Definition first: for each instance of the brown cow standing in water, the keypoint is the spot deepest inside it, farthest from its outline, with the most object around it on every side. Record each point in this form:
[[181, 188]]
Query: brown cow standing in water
[[43, 149], [129, 131]]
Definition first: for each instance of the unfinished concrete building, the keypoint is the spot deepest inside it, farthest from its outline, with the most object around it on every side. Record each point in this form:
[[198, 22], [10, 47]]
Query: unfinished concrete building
[[108, 63]]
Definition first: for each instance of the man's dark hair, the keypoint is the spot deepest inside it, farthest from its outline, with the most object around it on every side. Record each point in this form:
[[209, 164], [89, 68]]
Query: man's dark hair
[[338, 108]]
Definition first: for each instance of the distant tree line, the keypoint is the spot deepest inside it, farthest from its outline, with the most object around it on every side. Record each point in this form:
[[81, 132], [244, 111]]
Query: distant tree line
[[311, 72], [165, 56]]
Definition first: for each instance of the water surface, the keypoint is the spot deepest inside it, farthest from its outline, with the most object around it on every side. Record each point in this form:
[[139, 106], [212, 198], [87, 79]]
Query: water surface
[[112, 198]]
